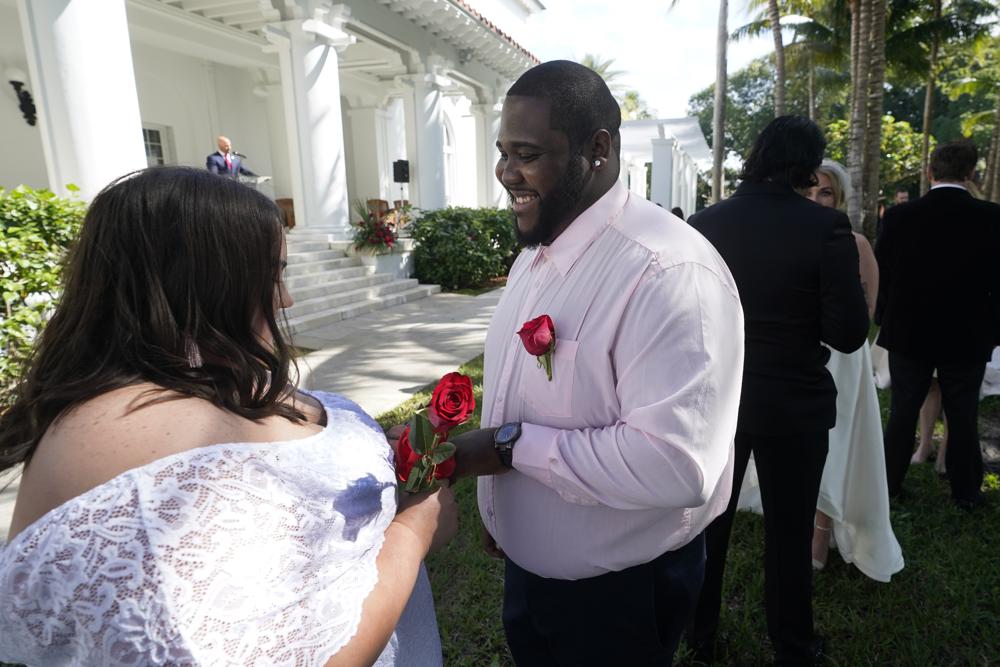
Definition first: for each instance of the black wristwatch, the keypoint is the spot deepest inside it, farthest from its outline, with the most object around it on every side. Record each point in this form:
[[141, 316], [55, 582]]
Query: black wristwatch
[[504, 439]]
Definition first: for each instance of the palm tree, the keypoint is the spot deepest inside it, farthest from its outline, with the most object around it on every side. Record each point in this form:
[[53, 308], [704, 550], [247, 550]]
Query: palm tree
[[860, 61], [774, 17], [874, 109], [604, 69], [719, 111]]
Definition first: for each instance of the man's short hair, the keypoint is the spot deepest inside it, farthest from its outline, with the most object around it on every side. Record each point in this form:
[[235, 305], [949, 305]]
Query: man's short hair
[[954, 161], [787, 151], [580, 101]]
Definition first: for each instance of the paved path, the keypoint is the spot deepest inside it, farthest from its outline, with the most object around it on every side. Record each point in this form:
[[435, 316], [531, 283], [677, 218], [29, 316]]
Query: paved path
[[382, 358]]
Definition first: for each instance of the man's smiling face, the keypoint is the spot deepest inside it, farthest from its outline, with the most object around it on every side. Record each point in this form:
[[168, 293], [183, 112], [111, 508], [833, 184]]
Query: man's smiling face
[[542, 175]]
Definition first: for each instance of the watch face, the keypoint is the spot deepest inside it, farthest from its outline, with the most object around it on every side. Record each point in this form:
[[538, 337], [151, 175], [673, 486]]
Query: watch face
[[507, 433]]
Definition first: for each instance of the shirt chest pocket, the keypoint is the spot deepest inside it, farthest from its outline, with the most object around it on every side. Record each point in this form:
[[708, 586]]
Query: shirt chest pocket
[[550, 398]]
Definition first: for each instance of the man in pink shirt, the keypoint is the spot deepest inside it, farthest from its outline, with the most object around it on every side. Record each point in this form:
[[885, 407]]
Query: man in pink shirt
[[597, 483]]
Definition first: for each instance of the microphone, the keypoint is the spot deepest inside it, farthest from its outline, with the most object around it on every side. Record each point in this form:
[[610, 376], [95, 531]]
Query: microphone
[[238, 154]]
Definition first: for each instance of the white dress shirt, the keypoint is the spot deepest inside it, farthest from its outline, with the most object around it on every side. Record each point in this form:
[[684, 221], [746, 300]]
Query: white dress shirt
[[627, 452]]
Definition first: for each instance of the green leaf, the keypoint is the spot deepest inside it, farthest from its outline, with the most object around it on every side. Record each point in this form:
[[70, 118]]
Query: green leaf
[[442, 453], [421, 433]]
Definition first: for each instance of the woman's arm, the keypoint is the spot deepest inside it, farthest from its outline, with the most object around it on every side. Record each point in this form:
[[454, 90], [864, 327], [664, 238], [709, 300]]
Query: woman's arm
[[426, 523], [869, 272]]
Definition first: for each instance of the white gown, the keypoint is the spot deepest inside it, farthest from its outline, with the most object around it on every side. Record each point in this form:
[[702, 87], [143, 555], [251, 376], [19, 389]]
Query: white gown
[[853, 491], [242, 554]]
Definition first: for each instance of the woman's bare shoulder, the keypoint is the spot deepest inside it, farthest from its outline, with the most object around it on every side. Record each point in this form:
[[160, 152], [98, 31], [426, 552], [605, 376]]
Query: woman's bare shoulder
[[110, 434]]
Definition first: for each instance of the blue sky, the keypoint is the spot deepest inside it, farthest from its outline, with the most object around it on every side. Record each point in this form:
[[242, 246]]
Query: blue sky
[[667, 55]]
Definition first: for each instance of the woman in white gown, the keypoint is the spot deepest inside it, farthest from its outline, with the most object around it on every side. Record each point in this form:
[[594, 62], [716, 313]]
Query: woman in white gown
[[181, 502], [852, 511]]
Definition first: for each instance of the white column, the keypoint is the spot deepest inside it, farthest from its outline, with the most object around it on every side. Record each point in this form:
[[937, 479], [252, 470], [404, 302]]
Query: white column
[[637, 177], [371, 153], [490, 192], [663, 170], [83, 82], [677, 180], [310, 83], [278, 135], [425, 138]]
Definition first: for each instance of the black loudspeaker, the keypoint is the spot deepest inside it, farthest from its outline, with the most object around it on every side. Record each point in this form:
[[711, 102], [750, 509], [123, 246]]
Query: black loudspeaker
[[401, 171]]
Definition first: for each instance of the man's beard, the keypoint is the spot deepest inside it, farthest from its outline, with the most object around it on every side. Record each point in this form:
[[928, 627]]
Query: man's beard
[[553, 207]]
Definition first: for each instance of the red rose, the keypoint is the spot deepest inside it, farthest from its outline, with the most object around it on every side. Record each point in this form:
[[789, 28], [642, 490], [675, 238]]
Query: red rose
[[452, 403], [538, 335], [445, 469], [406, 458]]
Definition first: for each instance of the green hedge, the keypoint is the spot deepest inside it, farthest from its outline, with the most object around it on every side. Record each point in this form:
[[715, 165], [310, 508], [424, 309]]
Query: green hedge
[[459, 247], [37, 228]]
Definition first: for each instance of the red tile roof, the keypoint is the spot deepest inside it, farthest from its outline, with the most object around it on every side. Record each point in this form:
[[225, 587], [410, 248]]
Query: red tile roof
[[464, 6]]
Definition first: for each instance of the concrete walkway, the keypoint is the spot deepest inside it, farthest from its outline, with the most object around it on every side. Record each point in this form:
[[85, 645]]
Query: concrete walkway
[[380, 359]]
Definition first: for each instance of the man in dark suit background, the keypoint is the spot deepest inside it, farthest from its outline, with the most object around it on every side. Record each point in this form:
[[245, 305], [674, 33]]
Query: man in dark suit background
[[940, 252], [796, 267], [225, 163]]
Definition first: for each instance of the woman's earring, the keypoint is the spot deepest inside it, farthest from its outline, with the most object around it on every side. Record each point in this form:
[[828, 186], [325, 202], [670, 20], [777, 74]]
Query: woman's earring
[[597, 163]]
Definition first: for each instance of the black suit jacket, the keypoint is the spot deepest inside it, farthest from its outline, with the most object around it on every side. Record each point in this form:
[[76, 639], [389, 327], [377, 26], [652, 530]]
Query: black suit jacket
[[939, 277], [796, 267]]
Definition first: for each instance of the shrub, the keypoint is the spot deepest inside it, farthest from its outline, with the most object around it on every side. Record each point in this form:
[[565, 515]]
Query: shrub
[[37, 228], [459, 247]]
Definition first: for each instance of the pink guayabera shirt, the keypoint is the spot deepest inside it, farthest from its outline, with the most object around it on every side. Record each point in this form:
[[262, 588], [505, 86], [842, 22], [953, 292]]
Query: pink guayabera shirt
[[627, 452]]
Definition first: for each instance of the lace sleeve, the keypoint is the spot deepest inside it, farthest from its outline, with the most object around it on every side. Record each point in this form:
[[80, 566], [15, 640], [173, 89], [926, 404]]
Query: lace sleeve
[[236, 555]]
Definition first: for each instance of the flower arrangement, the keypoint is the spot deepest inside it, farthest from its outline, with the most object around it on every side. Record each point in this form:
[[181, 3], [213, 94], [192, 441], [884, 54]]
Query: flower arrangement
[[372, 232]]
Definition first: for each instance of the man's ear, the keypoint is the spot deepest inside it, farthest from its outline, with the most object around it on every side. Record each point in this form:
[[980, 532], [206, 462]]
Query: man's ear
[[600, 145]]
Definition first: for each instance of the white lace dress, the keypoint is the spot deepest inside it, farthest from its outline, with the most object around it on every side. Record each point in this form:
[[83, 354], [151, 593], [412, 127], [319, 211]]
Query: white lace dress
[[230, 554]]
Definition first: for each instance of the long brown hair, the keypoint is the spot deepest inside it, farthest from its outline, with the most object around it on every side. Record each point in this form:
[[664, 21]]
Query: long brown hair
[[170, 261]]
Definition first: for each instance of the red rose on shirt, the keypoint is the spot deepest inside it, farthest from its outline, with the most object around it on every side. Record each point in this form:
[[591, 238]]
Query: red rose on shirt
[[539, 339], [452, 403], [538, 335]]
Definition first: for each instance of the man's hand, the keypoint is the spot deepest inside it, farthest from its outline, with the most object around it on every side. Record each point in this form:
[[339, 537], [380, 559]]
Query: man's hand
[[490, 545], [475, 454]]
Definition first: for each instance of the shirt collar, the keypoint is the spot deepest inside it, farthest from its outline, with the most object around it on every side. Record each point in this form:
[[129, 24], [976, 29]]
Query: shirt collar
[[948, 185], [575, 239]]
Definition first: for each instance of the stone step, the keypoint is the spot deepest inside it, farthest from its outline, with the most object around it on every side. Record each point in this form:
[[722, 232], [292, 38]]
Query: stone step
[[295, 246], [294, 281], [304, 323], [321, 287], [297, 257], [344, 298], [325, 265]]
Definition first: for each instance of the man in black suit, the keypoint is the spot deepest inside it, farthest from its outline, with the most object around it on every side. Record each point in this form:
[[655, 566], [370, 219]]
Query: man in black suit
[[225, 163], [940, 250], [796, 267]]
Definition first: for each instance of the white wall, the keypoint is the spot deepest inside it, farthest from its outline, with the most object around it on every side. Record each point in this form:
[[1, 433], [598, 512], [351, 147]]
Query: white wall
[[465, 176], [21, 158]]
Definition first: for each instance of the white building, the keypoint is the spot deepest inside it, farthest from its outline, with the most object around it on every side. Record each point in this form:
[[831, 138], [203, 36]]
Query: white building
[[323, 97], [676, 149]]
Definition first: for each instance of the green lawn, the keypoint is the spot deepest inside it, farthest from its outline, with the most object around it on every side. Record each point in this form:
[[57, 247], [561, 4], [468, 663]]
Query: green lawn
[[942, 609]]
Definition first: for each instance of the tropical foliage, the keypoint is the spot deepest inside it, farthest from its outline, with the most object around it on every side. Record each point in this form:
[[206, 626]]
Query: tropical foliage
[[37, 229], [930, 64]]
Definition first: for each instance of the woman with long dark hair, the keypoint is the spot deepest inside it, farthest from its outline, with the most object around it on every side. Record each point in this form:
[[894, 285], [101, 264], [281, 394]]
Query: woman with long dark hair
[[181, 502]]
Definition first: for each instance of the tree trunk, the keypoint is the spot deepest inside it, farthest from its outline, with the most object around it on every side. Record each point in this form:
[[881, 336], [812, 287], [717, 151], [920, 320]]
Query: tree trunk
[[812, 85], [774, 16], [875, 108], [719, 113], [860, 56], [991, 179], [929, 104]]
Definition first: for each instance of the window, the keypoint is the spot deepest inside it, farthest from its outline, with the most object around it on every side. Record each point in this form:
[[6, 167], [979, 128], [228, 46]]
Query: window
[[159, 143]]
